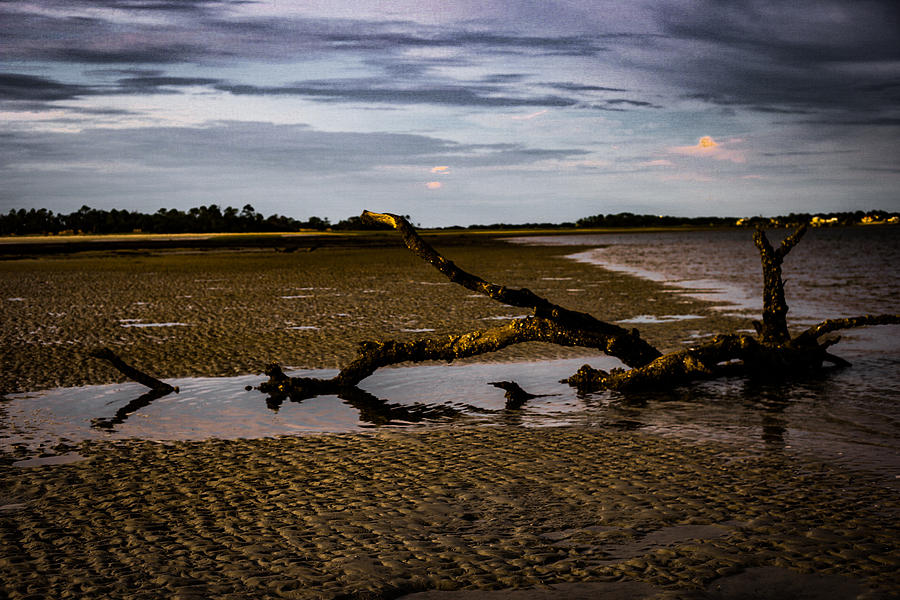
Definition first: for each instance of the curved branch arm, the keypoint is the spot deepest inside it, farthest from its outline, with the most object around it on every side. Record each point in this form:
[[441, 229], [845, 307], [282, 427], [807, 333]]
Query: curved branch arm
[[830, 325], [701, 362], [629, 348], [790, 241]]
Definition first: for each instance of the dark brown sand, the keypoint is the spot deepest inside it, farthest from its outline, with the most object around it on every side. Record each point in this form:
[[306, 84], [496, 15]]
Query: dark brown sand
[[385, 514], [528, 513]]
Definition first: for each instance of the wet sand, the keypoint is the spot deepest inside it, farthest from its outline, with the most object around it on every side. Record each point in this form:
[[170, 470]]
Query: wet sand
[[548, 513], [386, 514], [221, 313]]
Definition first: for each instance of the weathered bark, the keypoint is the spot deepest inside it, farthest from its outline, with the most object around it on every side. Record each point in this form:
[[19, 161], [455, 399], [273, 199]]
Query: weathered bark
[[625, 345], [376, 354], [831, 325], [702, 362]]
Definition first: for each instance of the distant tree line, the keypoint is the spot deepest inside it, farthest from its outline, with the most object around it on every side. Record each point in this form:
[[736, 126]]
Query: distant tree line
[[205, 219], [212, 219]]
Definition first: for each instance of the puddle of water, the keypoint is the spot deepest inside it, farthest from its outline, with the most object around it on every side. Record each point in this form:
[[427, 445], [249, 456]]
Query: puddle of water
[[504, 317], [659, 318], [60, 459]]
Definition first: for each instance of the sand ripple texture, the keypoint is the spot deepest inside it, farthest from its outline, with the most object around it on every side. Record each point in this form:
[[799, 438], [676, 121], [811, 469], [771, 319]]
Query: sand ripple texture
[[387, 514], [227, 313]]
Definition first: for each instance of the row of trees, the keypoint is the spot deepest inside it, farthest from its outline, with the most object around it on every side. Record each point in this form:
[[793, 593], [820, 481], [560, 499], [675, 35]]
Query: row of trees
[[212, 219], [205, 219]]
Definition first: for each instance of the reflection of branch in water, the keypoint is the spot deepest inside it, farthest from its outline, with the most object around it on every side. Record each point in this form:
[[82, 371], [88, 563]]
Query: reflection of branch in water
[[123, 413], [379, 412], [158, 389], [371, 408]]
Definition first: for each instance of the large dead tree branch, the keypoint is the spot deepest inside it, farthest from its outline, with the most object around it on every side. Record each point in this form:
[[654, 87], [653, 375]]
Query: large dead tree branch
[[628, 346], [376, 354], [772, 352]]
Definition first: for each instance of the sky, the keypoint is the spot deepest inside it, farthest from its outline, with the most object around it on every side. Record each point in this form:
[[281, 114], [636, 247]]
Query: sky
[[454, 112]]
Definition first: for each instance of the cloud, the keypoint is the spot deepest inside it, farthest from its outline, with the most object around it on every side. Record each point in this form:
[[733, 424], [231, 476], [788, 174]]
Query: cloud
[[265, 146], [808, 56], [440, 169], [530, 116], [656, 163], [372, 92], [707, 147], [15, 86], [434, 185]]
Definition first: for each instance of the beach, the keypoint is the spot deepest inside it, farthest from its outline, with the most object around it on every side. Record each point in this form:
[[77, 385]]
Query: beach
[[442, 512]]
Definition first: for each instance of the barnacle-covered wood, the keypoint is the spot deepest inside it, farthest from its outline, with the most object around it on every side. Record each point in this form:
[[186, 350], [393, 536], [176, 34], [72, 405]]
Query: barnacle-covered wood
[[774, 329], [376, 354], [627, 345], [702, 362], [771, 353]]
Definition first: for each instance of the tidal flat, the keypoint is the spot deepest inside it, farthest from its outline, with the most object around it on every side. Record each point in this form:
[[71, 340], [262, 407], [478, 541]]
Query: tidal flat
[[444, 512], [222, 313]]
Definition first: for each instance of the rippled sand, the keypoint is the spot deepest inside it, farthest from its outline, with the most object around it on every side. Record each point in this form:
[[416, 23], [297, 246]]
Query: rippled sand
[[550, 512], [384, 514]]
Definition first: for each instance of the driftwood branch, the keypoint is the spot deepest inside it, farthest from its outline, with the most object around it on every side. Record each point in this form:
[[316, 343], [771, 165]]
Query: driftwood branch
[[376, 354], [626, 345], [132, 372], [832, 325], [772, 353]]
